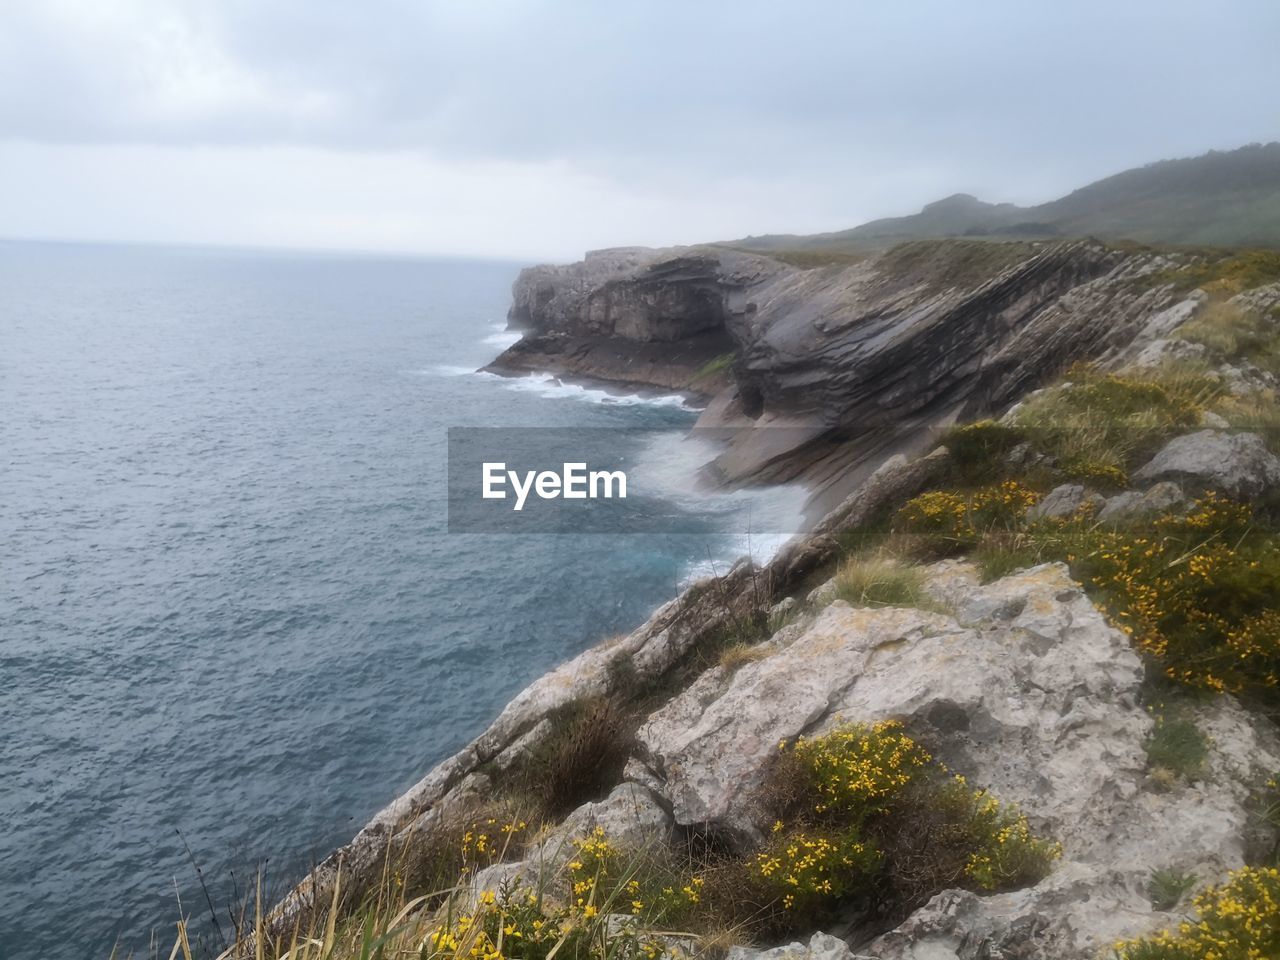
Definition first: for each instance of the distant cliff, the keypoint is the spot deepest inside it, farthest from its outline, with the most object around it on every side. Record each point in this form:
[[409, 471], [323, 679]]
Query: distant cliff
[[819, 372]]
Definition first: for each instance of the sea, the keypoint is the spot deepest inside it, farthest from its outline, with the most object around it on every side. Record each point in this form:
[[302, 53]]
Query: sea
[[234, 622]]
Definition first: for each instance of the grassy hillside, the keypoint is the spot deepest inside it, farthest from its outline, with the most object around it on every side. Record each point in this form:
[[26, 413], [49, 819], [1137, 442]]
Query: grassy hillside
[[1224, 198]]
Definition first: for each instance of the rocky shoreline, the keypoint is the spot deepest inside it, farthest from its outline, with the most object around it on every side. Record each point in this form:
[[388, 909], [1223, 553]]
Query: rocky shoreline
[[1023, 682]]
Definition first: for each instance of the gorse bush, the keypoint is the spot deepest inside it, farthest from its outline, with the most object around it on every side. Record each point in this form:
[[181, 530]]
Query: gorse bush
[[867, 816], [1196, 592], [1239, 920], [1005, 853], [950, 521], [534, 923], [856, 770], [808, 869]]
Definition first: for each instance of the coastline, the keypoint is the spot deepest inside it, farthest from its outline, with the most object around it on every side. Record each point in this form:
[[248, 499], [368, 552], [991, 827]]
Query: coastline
[[745, 592]]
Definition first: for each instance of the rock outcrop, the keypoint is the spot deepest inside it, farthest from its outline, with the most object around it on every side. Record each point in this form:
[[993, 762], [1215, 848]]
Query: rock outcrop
[[1238, 465], [834, 368]]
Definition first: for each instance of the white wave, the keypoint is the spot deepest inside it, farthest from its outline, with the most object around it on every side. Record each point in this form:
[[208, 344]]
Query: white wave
[[448, 370], [503, 339], [552, 387], [670, 468]]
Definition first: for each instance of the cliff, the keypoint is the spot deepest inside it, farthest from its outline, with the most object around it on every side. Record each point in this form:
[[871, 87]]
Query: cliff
[[827, 370], [1010, 697]]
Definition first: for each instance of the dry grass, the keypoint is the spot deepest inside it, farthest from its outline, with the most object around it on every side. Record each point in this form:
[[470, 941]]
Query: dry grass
[[740, 654], [1098, 427], [579, 760], [1235, 334], [881, 581]]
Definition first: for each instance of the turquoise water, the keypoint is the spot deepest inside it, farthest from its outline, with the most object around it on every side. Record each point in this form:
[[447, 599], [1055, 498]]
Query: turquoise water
[[228, 603]]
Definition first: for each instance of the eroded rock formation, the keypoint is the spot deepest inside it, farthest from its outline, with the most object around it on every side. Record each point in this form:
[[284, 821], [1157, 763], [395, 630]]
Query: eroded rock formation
[[833, 368]]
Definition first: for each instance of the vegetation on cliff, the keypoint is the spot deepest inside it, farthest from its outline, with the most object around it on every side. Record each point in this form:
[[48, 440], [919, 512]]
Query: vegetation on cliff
[[861, 824]]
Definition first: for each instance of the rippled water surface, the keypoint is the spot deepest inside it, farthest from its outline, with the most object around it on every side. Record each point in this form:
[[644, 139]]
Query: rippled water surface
[[228, 603]]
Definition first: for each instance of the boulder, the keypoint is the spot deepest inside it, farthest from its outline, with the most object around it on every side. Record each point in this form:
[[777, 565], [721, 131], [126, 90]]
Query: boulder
[[1062, 502], [1070, 914], [1164, 497], [1236, 464]]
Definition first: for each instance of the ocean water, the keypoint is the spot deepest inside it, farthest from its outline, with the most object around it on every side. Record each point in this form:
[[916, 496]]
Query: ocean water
[[231, 617]]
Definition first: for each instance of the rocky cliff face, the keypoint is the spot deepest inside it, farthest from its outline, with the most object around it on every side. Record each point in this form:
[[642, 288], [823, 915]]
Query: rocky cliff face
[[835, 367], [1023, 684]]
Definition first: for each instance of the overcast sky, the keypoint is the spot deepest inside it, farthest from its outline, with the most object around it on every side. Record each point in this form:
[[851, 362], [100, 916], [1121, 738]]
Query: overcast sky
[[540, 128]]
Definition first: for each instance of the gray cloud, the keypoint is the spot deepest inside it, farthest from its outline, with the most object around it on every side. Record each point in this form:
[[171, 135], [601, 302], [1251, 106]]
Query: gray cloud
[[875, 106]]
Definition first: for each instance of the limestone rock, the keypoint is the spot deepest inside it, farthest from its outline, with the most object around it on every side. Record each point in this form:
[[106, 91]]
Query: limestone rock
[[1058, 503], [1164, 497], [1159, 352], [1027, 690], [1073, 913], [1014, 691], [1236, 464], [821, 946]]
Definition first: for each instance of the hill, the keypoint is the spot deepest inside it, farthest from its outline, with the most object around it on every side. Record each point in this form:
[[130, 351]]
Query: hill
[[1223, 198]]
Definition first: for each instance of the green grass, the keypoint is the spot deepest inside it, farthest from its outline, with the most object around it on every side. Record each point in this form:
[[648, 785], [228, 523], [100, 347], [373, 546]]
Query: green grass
[[999, 556], [1101, 426], [1177, 745], [1229, 272], [1168, 886], [814, 259]]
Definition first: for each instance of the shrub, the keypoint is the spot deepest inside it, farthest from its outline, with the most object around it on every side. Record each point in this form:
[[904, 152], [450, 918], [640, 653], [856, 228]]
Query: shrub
[[807, 870], [855, 770], [979, 451], [871, 801], [952, 521], [945, 834], [1005, 853], [1196, 593], [1239, 920], [580, 759]]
